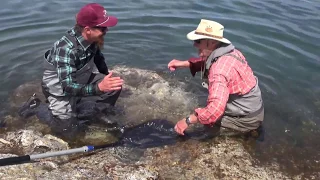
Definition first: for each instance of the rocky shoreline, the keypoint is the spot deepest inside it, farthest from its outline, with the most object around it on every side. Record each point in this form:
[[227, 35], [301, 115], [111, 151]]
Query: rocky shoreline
[[146, 95], [219, 158]]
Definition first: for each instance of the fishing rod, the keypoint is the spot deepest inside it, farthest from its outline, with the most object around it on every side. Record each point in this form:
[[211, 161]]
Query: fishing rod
[[31, 104], [30, 158], [157, 132]]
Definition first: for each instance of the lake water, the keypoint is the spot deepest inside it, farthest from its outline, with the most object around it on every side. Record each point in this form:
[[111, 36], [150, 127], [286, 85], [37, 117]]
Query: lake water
[[280, 40]]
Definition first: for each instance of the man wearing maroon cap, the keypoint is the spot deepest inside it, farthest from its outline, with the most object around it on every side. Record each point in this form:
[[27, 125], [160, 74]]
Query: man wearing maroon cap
[[75, 69]]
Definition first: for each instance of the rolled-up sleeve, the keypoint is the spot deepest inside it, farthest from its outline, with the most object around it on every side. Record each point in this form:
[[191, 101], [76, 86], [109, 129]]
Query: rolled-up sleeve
[[217, 100], [195, 64], [218, 93]]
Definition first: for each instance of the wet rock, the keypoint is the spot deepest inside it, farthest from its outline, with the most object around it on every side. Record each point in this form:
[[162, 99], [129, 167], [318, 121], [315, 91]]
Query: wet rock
[[219, 158], [146, 95], [22, 93], [32, 142], [29, 142], [127, 155], [156, 97], [16, 171], [2, 122], [101, 165], [98, 135], [136, 172], [4, 141], [222, 158]]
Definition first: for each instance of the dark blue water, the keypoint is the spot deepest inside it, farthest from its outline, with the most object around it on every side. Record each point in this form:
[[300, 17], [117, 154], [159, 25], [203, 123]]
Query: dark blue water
[[279, 38]]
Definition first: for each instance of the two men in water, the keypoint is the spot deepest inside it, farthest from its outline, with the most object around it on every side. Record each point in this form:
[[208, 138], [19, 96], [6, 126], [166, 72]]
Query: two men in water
[[75, 68], [234, 100], [75, 71]]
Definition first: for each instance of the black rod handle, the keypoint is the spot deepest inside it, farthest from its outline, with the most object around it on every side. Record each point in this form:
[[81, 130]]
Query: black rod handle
[[14, 160]]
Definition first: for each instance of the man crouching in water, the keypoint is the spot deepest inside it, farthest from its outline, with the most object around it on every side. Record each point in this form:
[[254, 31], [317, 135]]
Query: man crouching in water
[[234, 100], [75, 68]]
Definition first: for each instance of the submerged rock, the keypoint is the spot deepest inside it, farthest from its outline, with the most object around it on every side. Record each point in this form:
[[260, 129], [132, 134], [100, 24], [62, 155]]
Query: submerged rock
[[22, 93], [146, 95], [98, 135]]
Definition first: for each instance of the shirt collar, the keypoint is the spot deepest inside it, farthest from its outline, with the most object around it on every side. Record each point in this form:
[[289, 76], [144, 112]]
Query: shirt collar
[[84, 43]]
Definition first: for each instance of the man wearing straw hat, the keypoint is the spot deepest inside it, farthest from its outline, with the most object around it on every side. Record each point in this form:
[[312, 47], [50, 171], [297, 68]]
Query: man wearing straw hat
[[234, 100]]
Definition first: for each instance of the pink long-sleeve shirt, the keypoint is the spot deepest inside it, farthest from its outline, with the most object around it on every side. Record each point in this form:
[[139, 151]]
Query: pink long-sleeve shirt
[[226, 76]]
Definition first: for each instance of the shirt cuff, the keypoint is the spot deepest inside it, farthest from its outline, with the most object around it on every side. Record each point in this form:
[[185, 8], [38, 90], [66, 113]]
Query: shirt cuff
[[97, 90], [202, 119], [192, 69], [194, 65], [197, 112]]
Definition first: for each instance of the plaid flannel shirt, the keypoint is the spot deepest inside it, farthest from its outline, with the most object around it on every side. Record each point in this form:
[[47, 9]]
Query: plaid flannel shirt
[[226, 76], [67, 64]]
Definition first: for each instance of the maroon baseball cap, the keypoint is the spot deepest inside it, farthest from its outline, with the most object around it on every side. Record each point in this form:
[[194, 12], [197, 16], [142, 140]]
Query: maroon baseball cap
[[93, 15]]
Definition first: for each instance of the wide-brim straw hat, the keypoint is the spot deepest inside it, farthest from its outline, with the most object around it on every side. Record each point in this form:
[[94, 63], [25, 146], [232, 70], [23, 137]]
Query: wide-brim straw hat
[[208, 30]]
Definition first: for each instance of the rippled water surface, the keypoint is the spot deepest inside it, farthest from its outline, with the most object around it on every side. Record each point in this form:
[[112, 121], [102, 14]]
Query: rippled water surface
[[279, 38]]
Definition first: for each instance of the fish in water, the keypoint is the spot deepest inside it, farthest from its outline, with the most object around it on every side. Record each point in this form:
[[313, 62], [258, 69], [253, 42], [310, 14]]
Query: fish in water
[[153, 133], [160, 132]]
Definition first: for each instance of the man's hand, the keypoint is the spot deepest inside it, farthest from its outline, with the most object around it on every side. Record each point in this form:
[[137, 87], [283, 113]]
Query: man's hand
[[110, 83], [174, 64], [181, 126]]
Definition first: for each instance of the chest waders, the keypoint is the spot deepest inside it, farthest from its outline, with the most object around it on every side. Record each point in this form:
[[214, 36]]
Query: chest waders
[[60, 104], [247, 105]]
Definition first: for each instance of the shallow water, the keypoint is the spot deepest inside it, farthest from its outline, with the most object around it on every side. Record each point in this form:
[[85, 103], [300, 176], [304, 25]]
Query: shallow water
[[279, 38]]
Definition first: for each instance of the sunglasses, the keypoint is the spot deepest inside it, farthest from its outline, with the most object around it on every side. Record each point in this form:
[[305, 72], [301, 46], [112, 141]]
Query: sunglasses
[[102, 29], [197, 41]]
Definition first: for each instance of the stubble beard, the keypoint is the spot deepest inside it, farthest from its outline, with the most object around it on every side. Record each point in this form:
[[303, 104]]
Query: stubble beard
[[100, 42]]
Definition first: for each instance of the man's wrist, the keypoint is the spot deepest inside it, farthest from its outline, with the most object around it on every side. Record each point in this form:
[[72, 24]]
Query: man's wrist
[[192, 119], [188, 120], [186, 64], [97, 89]]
